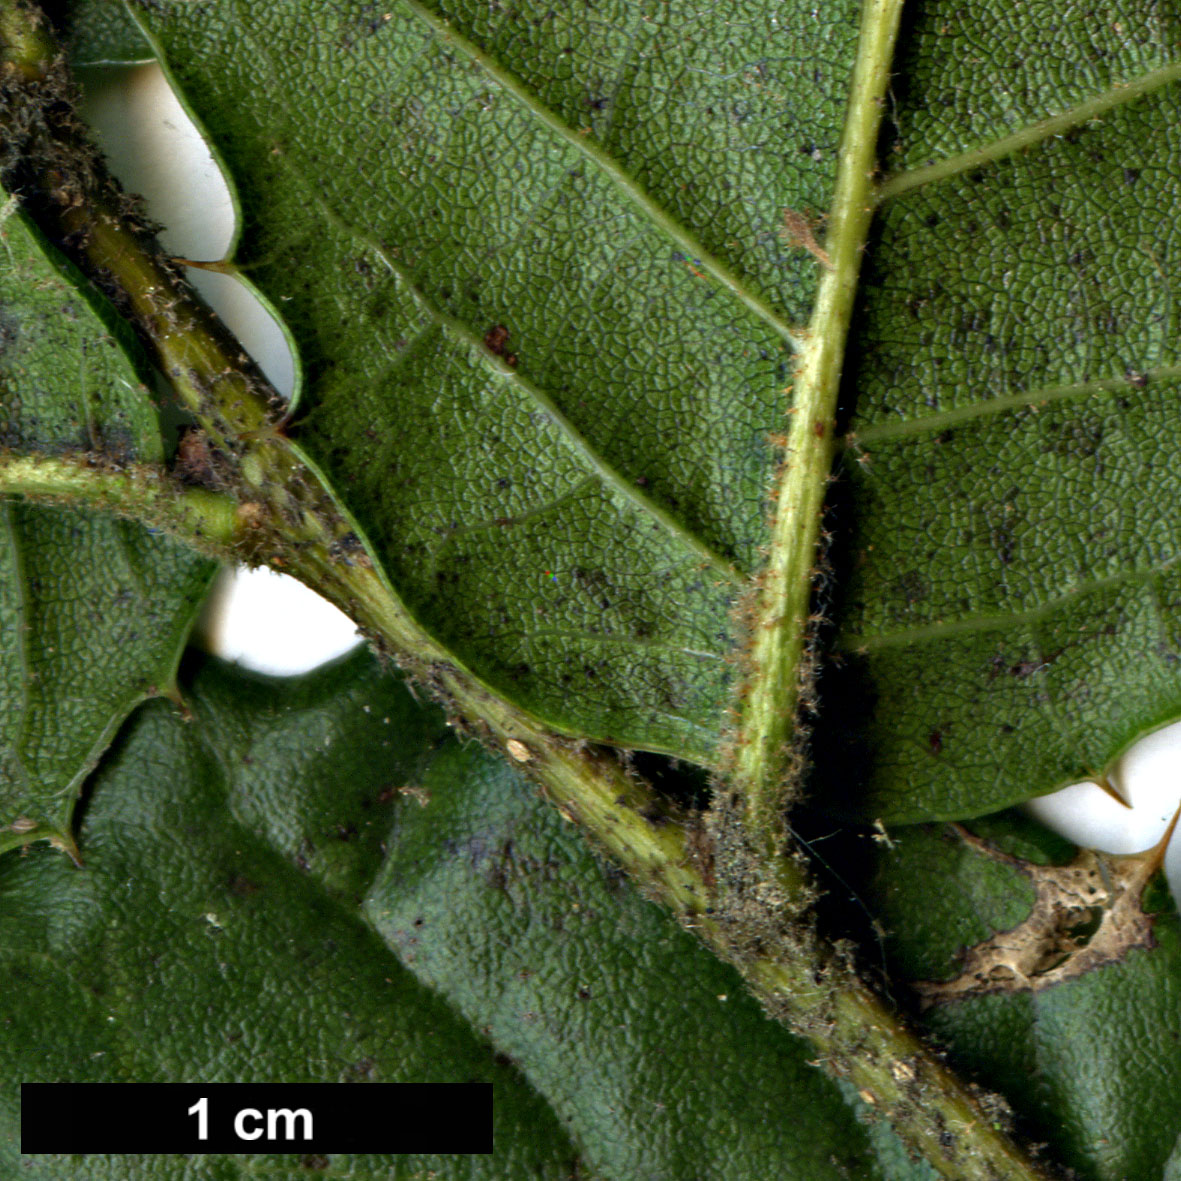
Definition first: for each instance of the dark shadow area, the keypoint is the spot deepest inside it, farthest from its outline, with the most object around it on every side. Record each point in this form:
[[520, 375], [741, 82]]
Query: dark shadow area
[[841, 753], [683, 784]]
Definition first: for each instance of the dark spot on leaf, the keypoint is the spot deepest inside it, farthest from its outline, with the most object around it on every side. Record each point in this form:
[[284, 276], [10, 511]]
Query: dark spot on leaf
[[496, 338], [1004, 543], [1026, 668], [1076, 439], [911, 587], [243, 887]]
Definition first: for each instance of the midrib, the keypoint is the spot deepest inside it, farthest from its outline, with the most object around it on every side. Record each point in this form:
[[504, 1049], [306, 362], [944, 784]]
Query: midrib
[[776, 658]]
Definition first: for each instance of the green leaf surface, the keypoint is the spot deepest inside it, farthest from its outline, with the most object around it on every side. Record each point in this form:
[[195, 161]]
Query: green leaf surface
[[218, 931], [1010, 619], [545, 346], [102, 32], [1091, 1064], [84, 601], [545, 314], [195, 945], [648, 1047], [68, 373], [533, 266]]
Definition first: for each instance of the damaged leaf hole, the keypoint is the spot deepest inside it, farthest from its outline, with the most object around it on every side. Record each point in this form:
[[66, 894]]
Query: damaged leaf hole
[[1085, 914], [263, 620]]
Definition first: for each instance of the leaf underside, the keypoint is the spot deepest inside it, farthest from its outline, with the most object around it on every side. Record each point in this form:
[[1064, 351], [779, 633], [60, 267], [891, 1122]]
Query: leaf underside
[[552, 419], [284, 886], [549, 415], [1091, 1065], [543, 309], [99, 32], [93, 611], [1009, 622]]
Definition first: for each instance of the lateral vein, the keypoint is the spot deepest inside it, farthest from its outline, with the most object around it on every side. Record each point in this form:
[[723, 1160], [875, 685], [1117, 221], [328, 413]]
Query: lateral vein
[[885, 431], [1035, 133], [607, 474], [973, 625], [609, 167]]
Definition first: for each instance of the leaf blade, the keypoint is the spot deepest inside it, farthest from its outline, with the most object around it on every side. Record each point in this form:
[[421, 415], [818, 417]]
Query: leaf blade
[[559, 253], [1008, 621], [1085, 1061], [227, 864], [82, 598]]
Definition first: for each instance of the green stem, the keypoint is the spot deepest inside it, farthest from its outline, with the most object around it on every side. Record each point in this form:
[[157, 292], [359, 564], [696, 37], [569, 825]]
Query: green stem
[[280, 511], [25, 42], [208, 521], [778, 674], [854, 1035]]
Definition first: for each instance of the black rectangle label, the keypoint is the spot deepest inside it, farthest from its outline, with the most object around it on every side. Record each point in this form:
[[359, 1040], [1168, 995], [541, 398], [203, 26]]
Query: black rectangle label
[[256, 1117]]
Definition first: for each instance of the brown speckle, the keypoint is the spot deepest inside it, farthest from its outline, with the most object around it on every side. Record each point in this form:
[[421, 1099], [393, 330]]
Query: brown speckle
[[194, 459], [797, 231], [496, 341], [241, 885]]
